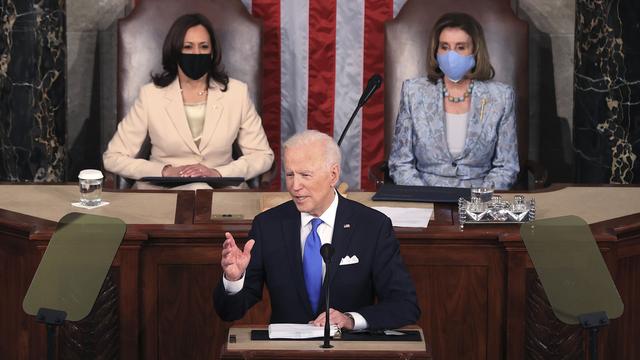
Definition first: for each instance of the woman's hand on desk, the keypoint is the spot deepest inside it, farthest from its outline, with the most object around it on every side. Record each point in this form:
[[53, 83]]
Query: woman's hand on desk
[[195, 170], [198, 170], [171, 171]]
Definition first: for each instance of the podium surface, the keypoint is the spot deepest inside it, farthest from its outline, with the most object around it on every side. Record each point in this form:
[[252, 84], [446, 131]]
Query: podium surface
[[240, 346]]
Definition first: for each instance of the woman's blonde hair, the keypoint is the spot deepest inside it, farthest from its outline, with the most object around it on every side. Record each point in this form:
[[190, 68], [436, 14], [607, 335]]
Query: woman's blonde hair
[[483, 69]]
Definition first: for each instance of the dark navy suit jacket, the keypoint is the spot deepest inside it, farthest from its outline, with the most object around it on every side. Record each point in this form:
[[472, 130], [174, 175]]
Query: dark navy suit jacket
[[378, 286]]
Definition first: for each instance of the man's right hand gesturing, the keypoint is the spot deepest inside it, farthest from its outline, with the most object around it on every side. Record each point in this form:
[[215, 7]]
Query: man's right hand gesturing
[[235, 261]]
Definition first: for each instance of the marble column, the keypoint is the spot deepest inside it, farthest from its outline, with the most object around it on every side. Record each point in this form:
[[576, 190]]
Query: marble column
[[551, 42], [91, 80], [32, 90], [607, 91]]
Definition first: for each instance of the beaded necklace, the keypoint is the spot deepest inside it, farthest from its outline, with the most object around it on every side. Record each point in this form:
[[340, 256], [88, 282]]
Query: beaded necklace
[[457, 99], [200, 93]]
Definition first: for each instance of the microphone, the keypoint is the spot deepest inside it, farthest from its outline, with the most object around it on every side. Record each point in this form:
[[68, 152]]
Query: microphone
[[326, 251], [372, 85]]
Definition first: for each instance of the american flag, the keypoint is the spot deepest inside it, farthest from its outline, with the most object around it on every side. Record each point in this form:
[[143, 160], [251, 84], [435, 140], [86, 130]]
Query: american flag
[[317, 57]]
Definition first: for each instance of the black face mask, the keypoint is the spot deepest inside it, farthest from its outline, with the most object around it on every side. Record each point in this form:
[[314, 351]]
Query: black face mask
[[194, 65]]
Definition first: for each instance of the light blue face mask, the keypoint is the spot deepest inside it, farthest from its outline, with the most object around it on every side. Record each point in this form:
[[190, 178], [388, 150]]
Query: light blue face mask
[[454, 65]]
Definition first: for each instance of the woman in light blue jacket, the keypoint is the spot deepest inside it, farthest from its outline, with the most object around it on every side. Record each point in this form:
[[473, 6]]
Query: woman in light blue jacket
[[456, 127]]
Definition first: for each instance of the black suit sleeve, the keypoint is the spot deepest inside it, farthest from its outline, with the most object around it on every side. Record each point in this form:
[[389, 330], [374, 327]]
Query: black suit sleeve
[[233, 307], [397, 301]]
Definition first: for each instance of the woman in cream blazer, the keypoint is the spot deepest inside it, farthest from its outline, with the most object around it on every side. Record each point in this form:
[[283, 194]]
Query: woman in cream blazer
[[160, 113], [179, 145]]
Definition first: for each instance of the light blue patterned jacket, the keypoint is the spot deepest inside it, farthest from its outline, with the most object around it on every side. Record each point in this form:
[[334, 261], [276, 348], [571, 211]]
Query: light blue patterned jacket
[[420, 154]]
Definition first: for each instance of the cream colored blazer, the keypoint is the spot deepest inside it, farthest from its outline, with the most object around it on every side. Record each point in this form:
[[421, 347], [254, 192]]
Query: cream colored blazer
[[159, 112]]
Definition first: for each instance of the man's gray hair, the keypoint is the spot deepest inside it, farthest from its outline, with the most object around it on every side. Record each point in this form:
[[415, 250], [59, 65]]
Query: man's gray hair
[[331, 150]]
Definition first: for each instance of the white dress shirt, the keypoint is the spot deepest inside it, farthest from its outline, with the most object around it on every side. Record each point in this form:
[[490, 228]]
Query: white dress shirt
[[325, 231]]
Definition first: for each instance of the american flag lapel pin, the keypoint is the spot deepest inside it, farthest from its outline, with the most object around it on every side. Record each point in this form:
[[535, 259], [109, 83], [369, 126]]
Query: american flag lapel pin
[[347, 226]]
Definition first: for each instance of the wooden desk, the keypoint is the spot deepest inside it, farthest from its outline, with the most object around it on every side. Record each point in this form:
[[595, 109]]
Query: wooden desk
[[479, 295], [244, 348], [28, 215]]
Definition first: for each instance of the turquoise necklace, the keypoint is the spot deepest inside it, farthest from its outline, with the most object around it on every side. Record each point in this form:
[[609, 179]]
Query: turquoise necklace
[[457, 99]]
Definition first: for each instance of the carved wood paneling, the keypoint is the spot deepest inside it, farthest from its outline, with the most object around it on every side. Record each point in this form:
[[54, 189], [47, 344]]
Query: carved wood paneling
[[186, 318], [546, 337], [453, 300], [98, 335], [625, 330]]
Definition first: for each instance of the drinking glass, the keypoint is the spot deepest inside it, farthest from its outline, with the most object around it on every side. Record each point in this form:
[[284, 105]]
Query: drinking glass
[[90, 181]]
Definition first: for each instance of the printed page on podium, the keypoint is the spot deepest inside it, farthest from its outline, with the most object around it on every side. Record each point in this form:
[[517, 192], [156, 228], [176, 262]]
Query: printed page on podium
[[571, 268], [75, 265]]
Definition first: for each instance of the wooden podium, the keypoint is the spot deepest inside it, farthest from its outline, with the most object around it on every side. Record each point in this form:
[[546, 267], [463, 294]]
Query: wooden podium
[[240, 346], [479, 294]]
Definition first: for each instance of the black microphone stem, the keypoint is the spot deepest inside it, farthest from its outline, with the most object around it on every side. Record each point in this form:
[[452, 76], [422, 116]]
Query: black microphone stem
[[344, 132], [327, 326], [372, 86], [326, 251]]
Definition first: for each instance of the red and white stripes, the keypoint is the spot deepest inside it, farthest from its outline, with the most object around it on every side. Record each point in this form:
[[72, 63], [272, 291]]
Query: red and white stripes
[[317, 57]]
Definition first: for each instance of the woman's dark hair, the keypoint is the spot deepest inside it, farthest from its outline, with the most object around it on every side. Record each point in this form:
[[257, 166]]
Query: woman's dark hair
[[172, 48], [483, 69]]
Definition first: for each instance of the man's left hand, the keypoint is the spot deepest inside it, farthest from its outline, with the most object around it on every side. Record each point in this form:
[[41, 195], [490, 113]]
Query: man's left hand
[[335, 317]]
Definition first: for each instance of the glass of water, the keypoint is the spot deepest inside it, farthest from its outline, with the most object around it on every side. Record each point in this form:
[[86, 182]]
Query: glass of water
[[90, 181], [483, 194]]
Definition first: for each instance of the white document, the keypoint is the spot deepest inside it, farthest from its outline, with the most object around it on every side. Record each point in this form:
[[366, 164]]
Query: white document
[[407, 217], [299, 331]]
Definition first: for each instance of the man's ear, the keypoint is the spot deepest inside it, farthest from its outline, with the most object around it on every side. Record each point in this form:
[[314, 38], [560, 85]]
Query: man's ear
[[334, 174]]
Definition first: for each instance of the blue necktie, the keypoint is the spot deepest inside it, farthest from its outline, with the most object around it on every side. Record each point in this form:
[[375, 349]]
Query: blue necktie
[[312, 265]]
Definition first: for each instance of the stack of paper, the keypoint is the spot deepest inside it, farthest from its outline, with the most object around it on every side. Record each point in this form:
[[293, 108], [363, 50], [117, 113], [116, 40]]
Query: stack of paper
[[299, 331], [407, 217]]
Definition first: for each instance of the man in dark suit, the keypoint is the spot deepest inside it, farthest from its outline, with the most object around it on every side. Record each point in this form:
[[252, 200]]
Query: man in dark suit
[[370, 287]]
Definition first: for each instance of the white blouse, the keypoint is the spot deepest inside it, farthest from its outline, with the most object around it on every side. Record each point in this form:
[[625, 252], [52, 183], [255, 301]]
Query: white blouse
[[456, 128], [195, 117]]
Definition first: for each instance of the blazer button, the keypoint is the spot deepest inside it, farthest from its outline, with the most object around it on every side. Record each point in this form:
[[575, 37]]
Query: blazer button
[[454, 164]]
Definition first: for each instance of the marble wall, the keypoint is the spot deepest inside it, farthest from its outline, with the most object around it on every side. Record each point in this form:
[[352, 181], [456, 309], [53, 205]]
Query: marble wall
[[607, 91], [32, 90]]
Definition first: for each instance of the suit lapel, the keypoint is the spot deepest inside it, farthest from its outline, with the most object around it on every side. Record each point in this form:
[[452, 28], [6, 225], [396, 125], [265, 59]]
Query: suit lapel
[[342, 235], [477, 116], [212, 115], [175, 111], [439, 119], [291, 232]]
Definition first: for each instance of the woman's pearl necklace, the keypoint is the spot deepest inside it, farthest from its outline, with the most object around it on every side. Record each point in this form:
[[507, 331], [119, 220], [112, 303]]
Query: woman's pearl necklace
[[457, 99], [200, 93]]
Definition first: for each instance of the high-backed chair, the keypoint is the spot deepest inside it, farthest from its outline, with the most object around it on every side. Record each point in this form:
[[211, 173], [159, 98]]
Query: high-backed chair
[[406, 47], [142, 32]]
